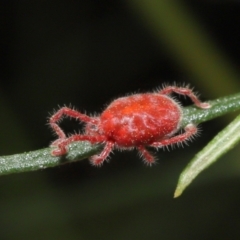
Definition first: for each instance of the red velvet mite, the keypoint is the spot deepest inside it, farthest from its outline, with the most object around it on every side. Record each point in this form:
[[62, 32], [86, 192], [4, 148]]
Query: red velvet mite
[[135, 121]]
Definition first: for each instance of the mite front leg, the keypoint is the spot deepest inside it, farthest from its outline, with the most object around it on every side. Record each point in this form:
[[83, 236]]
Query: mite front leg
[[55, 118], [62, 144]]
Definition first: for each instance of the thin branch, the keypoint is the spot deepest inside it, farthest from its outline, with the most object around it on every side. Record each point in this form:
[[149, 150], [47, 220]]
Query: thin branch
[[219, 107], [41, 159]]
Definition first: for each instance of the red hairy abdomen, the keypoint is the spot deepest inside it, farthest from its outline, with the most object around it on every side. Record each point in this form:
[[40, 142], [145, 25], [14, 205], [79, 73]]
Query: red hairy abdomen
[[140, 119]]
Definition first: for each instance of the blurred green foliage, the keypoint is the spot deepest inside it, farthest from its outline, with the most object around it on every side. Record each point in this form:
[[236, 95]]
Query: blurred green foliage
[[87, 53]]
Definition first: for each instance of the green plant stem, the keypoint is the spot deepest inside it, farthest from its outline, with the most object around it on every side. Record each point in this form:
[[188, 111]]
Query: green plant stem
[[219, 107], [42, 158]]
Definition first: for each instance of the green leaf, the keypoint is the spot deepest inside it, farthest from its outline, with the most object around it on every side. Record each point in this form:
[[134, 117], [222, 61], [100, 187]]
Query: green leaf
[[219, 145]]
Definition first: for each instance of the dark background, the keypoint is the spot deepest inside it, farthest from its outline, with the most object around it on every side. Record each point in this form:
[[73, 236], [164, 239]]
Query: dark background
[[87, 53]]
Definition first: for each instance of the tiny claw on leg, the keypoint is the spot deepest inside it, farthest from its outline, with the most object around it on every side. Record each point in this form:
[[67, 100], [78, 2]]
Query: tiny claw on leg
[[96, 160], [205, 105], [61, 148], [57, 142], [58, 152]]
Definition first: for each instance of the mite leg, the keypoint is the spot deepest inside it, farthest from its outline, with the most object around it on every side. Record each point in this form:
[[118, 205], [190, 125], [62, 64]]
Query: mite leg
[[97, 160], [62, 144], [185, 91], [190, 131], [71, 113], [148, 158]]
